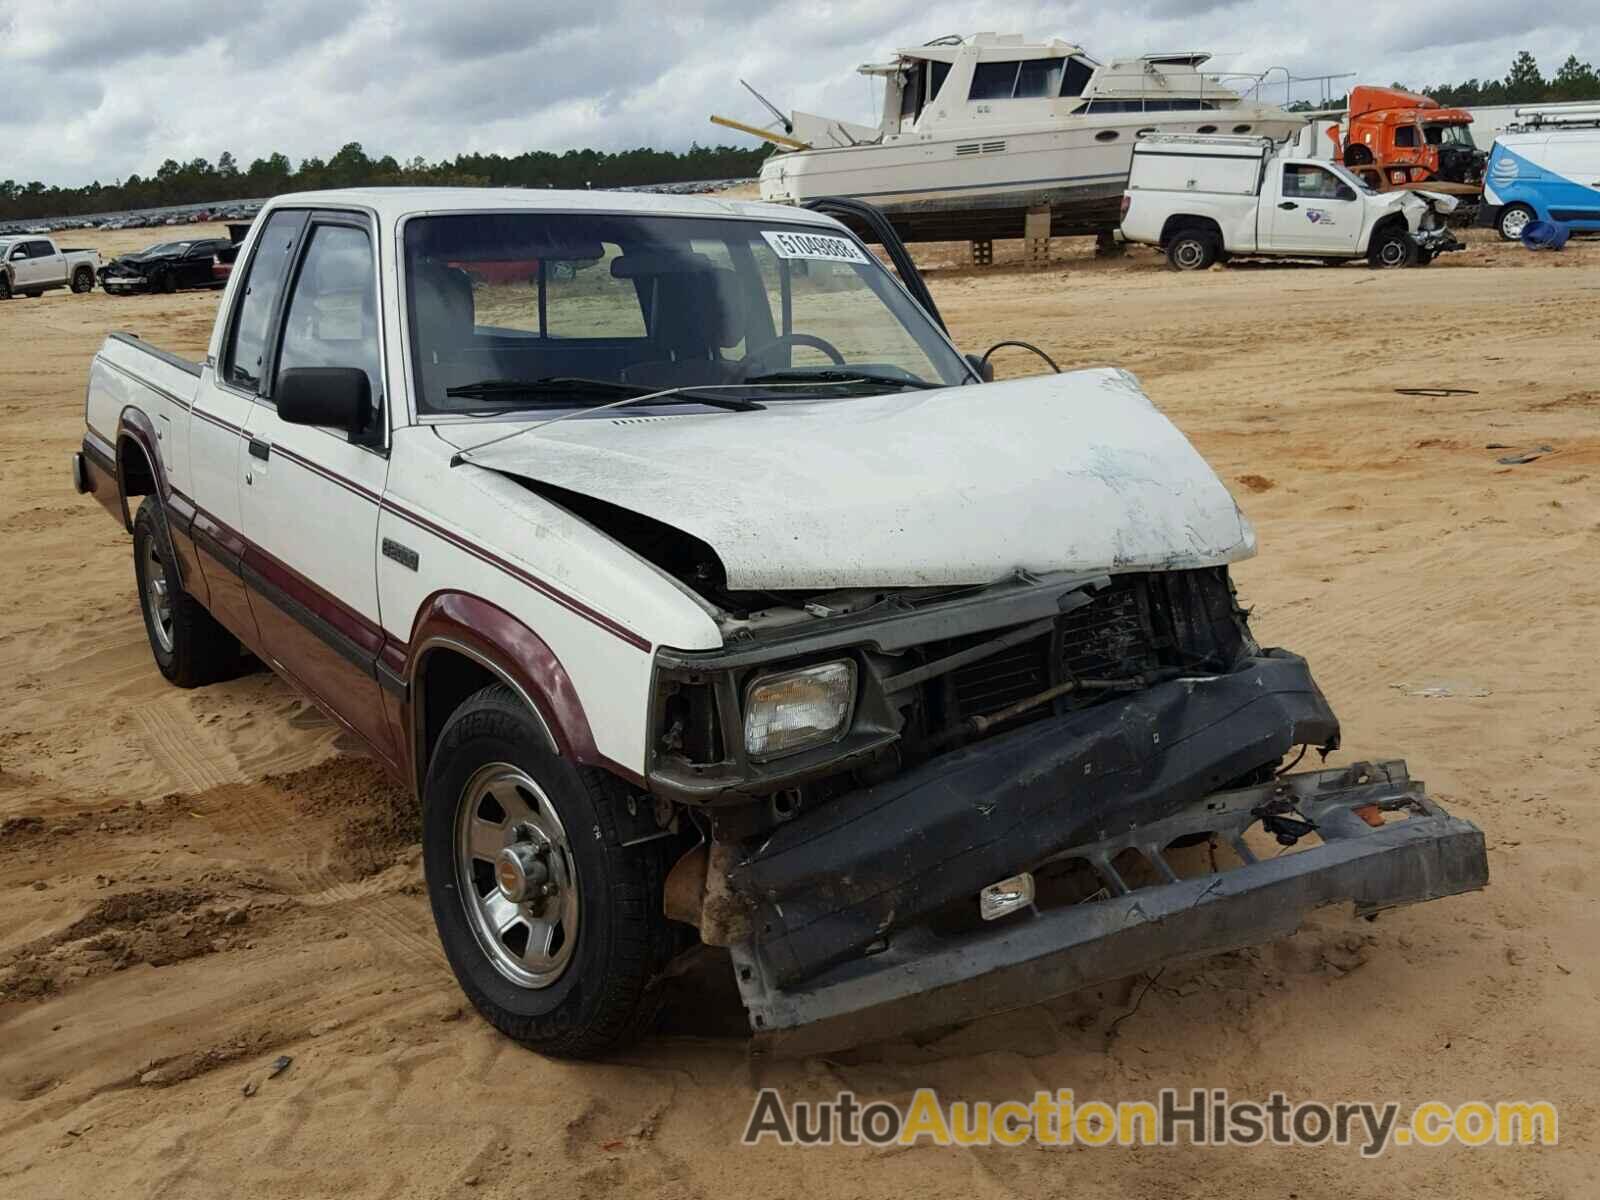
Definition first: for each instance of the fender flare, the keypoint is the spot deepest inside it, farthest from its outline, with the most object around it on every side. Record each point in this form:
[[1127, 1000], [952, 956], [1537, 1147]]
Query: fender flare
[[509, 649], [134, 425]]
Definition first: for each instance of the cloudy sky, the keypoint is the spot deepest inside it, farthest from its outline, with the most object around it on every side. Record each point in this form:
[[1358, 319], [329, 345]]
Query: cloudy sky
[[96, 89]]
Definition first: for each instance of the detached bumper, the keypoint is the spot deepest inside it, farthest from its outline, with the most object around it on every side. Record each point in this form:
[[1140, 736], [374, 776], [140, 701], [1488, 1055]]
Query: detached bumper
[[837, 879], [921, 979]]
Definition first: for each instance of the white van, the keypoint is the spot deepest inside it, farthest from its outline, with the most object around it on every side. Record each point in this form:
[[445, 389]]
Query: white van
[[1545, 168]]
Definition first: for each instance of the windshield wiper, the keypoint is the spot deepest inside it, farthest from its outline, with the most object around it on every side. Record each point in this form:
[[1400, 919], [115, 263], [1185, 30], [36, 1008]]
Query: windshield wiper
[[841, 375], [690, 394], [559, 388]]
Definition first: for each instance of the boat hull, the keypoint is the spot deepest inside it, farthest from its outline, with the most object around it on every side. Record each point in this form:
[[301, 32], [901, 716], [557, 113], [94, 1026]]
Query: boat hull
[[982, 183]]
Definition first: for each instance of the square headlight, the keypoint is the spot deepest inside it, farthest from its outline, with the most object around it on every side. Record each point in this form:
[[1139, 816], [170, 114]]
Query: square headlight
[[796, 710]]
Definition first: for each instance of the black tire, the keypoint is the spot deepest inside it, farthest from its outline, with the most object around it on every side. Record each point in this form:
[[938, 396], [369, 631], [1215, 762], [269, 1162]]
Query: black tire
[[201, 650], [5, 286], [1192, 249], [166, 284], [82, 280], [1512, 220], [602, 997], [1392, 247]]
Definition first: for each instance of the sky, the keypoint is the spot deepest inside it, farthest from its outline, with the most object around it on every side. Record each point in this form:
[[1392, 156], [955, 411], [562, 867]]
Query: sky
[[98, 89]]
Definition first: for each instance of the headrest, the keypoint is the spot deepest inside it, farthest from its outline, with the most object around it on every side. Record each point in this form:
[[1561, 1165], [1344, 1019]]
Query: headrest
[[697, 309], [442, 304], [642, 264]]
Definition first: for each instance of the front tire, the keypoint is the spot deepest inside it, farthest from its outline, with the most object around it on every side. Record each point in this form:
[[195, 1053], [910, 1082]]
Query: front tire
[[166, 284], [189, 646], [1513, 219], [1192, 250], [566, 973], [5, 287], [1391, 249]]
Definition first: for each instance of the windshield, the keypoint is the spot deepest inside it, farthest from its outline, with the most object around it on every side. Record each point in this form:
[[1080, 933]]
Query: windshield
[[1447, 135], [508, 310], [165, 248]]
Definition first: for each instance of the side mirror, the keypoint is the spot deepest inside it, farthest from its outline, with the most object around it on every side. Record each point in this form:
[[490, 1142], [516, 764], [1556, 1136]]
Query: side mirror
[[984, 368], [1346, 192], [19, 252], [330, 397]]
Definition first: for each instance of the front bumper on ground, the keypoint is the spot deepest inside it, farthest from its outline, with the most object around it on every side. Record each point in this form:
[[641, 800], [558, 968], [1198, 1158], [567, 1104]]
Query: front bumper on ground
[[825, 886], [1437, 241], [920, 979]]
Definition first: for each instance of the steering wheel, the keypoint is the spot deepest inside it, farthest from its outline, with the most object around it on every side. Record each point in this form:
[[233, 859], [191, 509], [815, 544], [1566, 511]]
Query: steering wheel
[[761, 354]]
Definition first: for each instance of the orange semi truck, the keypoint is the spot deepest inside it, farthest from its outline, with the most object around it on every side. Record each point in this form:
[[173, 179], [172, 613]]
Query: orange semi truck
[[1394, 139]]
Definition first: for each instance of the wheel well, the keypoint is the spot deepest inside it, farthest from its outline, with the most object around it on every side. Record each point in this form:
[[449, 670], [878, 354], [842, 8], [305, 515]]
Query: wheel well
[[445, 679], [133, 469], [1387, 226], [1179, 222]]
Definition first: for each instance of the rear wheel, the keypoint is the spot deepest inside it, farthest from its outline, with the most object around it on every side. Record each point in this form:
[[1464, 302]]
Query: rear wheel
[[82, 280], [553, 929], [1514, 218], [1192, 250], [189, 646]]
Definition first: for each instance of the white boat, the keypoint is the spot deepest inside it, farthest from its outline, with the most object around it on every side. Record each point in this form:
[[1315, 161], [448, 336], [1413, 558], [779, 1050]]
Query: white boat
[[975, 132]]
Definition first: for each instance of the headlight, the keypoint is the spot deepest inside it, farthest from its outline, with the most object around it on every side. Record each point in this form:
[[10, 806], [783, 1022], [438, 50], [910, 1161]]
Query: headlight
[[798, 709]]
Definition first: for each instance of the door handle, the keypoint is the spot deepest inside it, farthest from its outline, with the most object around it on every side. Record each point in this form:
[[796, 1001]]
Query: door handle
[[260, 449], [1288, 204]]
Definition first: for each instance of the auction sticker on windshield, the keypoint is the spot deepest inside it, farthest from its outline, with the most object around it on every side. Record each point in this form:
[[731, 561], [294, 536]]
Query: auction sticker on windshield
[[819, 246]]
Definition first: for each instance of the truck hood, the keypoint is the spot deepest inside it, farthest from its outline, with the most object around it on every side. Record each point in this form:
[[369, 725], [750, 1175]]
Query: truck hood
[[956, 486]]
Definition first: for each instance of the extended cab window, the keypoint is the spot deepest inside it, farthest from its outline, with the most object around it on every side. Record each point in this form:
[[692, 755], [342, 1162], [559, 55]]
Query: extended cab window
[[332, 318], [247, 345]]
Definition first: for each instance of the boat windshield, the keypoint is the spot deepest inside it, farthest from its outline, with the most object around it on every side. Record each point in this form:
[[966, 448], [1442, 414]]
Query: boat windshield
[[514, 310]]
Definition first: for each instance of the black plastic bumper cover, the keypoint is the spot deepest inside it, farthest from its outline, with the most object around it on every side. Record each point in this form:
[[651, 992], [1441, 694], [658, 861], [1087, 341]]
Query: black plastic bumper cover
[[830, 883]]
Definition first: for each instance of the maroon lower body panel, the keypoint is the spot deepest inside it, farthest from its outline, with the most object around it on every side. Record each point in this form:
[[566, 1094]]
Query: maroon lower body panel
[[180, 525], [329, 647], [100, 469], [221, 560]]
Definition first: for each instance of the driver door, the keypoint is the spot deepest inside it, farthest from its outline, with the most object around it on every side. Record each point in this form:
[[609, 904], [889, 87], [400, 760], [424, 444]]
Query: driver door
[[1316, 212]]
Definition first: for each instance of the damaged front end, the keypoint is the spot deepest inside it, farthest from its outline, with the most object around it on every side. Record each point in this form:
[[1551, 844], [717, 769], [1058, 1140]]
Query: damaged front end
[[1021, 739]]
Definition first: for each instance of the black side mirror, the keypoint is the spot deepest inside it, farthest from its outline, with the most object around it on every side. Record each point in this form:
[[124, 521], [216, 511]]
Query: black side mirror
[[331, 397], [982, 366], [1346, 192]]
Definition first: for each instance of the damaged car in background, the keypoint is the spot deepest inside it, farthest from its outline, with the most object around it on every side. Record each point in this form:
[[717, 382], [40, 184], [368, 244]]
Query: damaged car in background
[[715, 605], [165, 267]]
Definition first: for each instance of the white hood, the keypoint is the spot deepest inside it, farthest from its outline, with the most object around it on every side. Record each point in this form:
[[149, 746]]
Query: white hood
[[958, 486]]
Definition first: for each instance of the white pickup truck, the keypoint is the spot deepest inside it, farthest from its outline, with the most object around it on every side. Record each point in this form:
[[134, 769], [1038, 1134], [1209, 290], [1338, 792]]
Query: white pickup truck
[[1207, 198], [31, 266], [707, 596]]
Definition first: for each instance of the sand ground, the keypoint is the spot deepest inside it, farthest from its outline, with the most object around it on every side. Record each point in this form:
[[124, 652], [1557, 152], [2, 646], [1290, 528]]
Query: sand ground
[[195, 883]]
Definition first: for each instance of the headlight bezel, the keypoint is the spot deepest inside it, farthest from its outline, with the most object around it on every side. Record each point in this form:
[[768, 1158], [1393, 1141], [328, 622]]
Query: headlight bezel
[[835, 733]]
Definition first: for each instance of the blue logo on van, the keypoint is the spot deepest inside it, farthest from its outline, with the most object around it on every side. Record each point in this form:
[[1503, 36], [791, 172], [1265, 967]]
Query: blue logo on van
[[1504, 169]]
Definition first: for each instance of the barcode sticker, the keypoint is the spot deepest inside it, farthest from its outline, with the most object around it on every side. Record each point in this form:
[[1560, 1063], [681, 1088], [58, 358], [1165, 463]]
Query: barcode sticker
[[819, 246]]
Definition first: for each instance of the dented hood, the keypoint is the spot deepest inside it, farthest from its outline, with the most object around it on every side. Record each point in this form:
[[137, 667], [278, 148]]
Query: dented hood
[[957, 486]]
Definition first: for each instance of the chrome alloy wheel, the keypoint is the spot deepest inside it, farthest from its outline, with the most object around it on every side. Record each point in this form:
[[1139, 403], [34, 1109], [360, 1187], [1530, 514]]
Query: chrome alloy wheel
[[516, 876], [158, 596]]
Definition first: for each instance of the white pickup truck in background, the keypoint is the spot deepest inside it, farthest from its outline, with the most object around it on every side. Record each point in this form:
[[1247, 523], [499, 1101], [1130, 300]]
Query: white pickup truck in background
[[31, 266], [1206, 198]]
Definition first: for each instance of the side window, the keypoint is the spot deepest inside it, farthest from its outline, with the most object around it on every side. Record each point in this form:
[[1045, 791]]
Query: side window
[[247, 346], [40, 250], [1076, 77], [1311, 183], [332, 318], [1405, 135], [1038, 77], [992, 81]]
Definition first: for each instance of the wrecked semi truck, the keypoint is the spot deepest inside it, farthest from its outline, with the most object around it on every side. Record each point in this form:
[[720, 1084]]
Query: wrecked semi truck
[[706, 595]]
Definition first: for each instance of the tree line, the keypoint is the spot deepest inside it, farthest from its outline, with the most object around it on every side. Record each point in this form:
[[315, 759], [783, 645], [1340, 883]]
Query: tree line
[[1524, 83], [200, 181]]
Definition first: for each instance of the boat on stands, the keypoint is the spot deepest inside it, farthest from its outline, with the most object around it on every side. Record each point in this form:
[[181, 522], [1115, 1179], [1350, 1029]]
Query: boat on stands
[[976, 133]]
